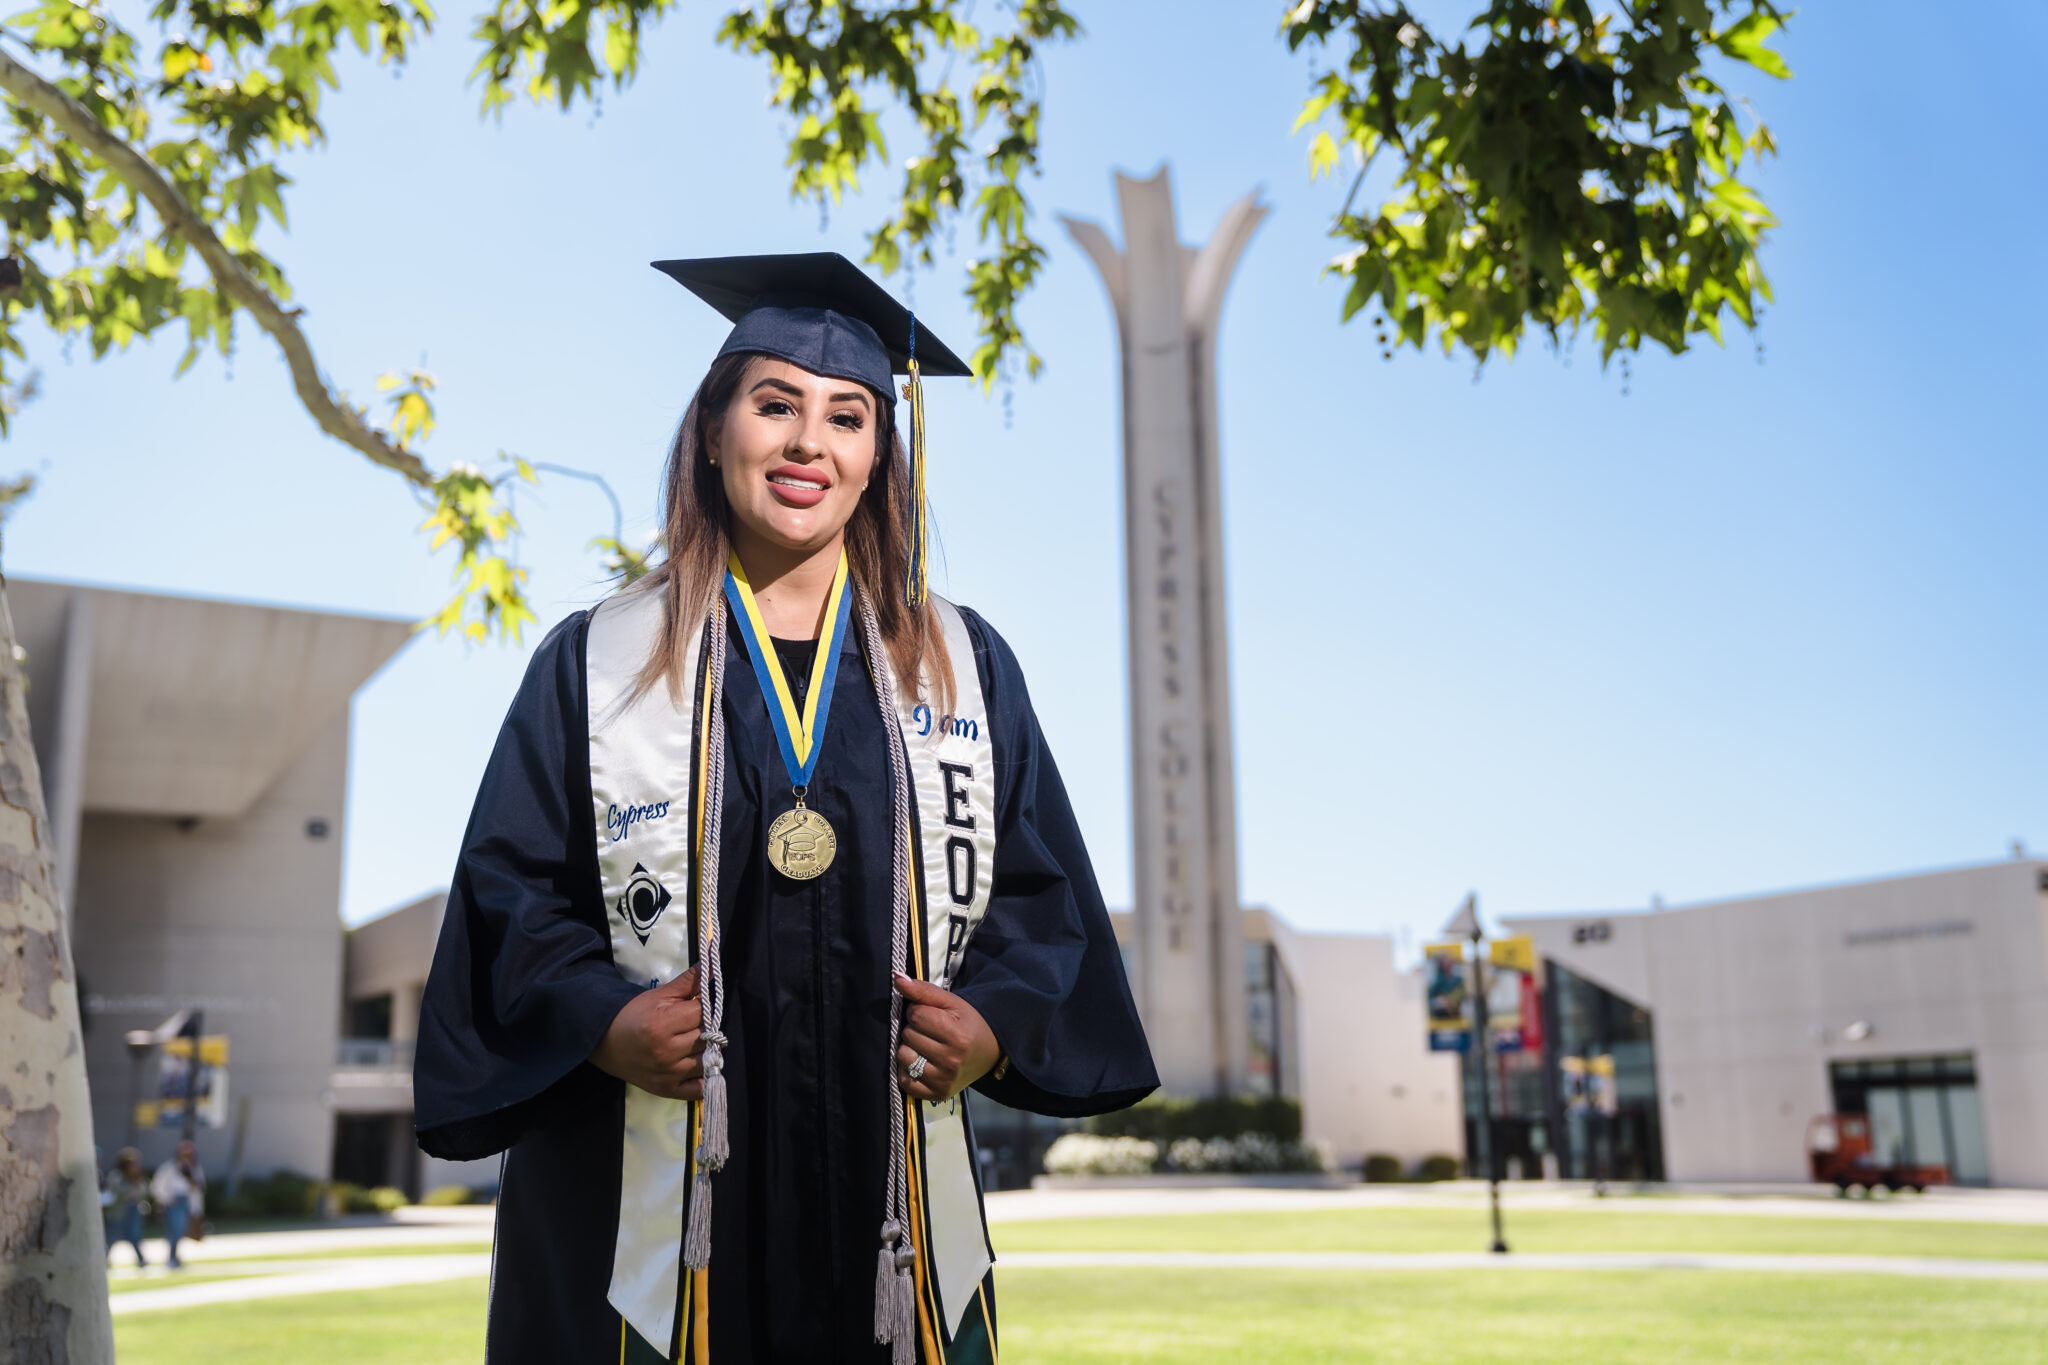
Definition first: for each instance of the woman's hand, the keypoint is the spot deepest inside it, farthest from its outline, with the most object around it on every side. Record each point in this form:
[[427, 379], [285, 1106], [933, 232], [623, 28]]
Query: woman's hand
[[951, 1036], [657, 1041]]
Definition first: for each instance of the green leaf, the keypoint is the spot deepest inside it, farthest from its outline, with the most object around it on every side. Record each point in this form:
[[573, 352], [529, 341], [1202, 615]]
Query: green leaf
[[1323, 156], [1745, 41]]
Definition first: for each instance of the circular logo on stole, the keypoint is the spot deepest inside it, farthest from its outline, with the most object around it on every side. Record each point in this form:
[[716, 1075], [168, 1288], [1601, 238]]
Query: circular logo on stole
[[643, 900]]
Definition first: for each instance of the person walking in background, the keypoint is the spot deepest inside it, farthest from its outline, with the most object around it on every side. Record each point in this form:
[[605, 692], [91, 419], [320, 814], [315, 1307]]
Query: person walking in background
[[180, 1191], [127, 1201]]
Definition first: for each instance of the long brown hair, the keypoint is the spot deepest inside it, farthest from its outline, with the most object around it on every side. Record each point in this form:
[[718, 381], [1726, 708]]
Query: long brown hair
[[695, 543]]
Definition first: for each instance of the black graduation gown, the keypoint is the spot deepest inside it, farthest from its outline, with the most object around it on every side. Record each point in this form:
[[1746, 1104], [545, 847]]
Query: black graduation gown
[[523, 987]]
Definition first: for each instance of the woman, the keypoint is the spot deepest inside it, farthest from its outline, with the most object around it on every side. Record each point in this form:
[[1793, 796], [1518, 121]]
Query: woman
[[179, 1189], [127, 1202], [770, 864]]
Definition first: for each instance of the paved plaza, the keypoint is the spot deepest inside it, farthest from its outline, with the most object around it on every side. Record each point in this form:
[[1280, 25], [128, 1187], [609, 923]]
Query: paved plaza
[[426, 1245]]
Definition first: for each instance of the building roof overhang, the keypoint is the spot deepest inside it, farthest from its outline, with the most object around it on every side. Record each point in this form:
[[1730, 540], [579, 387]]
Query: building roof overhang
[[197, 705]]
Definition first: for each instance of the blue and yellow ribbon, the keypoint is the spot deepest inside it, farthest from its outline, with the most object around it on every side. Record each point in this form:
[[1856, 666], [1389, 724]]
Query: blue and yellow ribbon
[[800, 735]]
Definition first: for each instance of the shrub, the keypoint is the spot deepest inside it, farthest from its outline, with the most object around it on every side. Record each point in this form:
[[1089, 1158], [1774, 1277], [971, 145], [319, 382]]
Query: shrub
[[382, 1199], [1087, 1154], [1163, 1120], [1251, 1154], [445, 1196], [1438, 1167], [281, 1194], [1381, 1169]]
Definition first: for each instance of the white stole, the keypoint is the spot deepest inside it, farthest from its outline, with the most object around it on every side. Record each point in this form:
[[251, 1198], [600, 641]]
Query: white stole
[[646, 781]]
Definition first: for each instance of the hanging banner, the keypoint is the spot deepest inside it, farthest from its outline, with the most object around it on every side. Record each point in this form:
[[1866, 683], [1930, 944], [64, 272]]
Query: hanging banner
[[1505, 997], [1514, 954], [1571, 1072], [1606, 1091], [210, 1092], [1447, 992], [1532, 1014]]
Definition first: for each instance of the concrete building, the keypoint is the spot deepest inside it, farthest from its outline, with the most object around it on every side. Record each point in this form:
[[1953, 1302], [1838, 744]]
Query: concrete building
[[1346, 1034], [1921, 1001], [1331, 1023], [386, 974], [195, 760]]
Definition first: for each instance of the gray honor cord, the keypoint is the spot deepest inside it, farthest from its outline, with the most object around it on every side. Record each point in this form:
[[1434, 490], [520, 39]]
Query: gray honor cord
[[895, 1294], [715, 1145]]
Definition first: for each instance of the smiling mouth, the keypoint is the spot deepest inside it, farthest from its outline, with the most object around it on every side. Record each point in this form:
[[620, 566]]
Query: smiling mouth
[[792, 481]]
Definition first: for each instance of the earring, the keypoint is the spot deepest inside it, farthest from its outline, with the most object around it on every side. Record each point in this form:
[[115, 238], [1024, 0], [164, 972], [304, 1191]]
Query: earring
[[714, 462]]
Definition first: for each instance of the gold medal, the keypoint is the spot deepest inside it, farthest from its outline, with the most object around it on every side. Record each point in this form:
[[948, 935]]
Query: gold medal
[[801, 844]]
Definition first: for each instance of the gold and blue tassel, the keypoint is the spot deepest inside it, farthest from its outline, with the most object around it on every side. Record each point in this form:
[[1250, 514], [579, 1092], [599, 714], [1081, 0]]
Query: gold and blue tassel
[[916, 571]]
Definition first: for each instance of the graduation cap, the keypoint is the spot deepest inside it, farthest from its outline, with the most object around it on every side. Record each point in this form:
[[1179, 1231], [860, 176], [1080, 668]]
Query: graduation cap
[[818, 310], [821, 311]]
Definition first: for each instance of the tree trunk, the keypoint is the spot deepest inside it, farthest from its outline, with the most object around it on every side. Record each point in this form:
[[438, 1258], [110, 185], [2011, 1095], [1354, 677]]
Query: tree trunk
[[53, 1244]]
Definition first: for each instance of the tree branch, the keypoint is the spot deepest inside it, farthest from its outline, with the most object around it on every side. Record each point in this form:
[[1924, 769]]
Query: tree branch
[[334, 417]]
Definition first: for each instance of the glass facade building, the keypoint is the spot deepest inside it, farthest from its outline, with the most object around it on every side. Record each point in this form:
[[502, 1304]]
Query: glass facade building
[[1923, 1111], [1545, 1123], [1588, 1022]]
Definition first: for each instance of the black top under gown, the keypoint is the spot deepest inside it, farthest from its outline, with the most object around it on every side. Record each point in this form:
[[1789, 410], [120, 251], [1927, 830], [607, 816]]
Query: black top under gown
[[523, 987]]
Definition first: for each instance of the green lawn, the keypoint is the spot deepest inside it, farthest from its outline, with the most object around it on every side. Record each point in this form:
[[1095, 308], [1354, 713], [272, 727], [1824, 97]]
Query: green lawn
[[481, 1244], [175, 1280], [1156, 1317], [1153, 1317], [1426, 1229], [427, 1324]]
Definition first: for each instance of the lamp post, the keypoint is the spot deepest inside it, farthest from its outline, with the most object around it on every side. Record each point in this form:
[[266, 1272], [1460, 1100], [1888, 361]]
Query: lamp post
[[192, 1030], [1465, 924], [141, 1042]]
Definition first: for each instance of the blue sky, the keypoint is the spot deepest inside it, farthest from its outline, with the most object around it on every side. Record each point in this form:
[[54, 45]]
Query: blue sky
[[1763, 621]]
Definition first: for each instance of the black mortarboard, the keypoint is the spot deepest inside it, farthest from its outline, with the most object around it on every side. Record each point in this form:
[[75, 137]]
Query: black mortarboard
[[818, 310]]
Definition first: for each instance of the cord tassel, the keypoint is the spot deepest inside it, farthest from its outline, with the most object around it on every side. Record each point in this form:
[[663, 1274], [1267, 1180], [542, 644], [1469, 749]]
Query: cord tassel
[[904, 1345], [903, 1341], [697, 1236], [717, 1145], [885, 1281]]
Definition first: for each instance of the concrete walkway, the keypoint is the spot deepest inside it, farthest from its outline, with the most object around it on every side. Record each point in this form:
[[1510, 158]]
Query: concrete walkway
[[1912, 1266], [409, 1227], [368, 1272], [1155, 1198], [275, 1280]]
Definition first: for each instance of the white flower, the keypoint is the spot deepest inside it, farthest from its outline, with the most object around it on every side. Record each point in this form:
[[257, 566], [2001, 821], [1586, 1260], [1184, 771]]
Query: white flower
[[1087, 1154]]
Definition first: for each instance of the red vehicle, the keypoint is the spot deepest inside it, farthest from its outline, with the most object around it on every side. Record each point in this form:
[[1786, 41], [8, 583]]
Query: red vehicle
[[1842, 1151]]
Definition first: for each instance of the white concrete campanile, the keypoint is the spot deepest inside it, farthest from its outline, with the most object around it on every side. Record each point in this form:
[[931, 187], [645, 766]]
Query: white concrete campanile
[[1190, 953]]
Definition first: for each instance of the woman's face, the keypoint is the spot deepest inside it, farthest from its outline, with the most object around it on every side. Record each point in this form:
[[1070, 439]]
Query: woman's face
[[795, 450]]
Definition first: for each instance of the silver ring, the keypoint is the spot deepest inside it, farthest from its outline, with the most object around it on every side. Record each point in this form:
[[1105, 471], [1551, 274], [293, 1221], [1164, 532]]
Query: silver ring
[[916, 1067]]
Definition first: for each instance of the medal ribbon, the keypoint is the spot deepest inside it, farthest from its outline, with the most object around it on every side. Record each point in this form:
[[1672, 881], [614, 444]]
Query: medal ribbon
[[799, 736]]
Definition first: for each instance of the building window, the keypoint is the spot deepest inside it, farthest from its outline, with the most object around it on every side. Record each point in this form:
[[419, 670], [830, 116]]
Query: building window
[[369, 1017], [1923, 1111], [1273, 1059], [1586, 1021], [376, 1149]]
